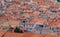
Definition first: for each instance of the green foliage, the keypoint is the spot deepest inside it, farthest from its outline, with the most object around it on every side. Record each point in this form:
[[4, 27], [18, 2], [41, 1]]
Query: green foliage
[[18, 30], [58, 0]]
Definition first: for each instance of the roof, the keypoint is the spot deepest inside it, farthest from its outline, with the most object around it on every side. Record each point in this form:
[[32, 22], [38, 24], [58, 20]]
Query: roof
[[12, 34], [1, 33], [12, 11]]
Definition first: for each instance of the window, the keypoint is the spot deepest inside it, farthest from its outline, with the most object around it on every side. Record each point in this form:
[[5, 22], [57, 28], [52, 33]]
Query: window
[[52, 28], [53, 10], [20, 12], [1, 8], [22, 25], [26, 31], [30, 18], [47, 0], [29, 29], [24, 21], [2, 14], [41, 25], [58, 10], [7, 0]]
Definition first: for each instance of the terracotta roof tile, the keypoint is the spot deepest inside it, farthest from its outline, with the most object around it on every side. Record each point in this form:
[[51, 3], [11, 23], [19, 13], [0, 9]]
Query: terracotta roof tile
[[1, 33]]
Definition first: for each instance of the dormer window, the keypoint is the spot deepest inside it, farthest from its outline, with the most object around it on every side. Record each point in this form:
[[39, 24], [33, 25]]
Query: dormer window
[[24, 21]]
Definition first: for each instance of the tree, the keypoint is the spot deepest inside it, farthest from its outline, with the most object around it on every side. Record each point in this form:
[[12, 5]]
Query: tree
[[18, 30], [58, 0]]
